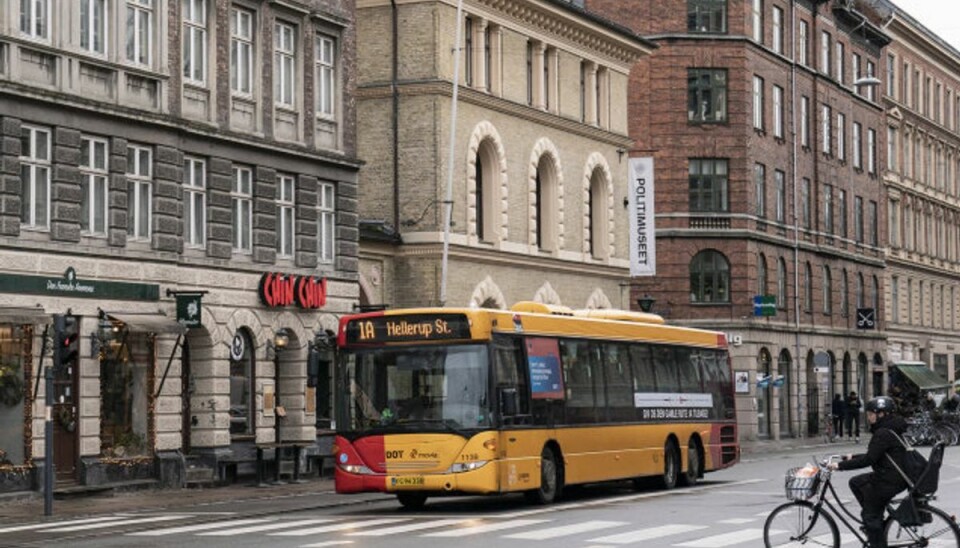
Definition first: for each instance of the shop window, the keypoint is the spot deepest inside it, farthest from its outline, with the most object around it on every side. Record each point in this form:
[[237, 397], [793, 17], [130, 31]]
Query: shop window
[[14, 341], [126, 380], [241, 388]]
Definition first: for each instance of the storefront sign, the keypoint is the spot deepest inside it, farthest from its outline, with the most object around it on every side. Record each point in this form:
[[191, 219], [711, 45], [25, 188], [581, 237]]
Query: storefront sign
[[237, 347], [279, 290], [189, 307], [70, 286]]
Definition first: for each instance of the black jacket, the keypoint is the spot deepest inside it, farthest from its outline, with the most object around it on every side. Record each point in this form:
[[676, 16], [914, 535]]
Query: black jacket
[[839, 407], [882, 443]]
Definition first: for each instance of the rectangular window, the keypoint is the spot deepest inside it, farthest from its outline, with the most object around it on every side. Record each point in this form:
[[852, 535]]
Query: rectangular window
[[803, 46], [777, 30], [780, 180], [855, 60], [706, 95], [35, 18], [842, 212], [285, 216], [892, 149], [871, 150], [707, 16], [894, 223], [872, 222], [825, 46], [195, 41], [93, 186], [93, 26], [828, 209], [937, 102], [194, 202], [858, 219], [841, 137], [826, 120], [468, 50], [805, 202], [757, 102], [891, 75], [284, 70], [805, 121], [841, 63], [778, 112], [857, 146], [871, 73], [139, 191], [326, 75], [760, 188], [895, 298], [326, 222], [708, 185], [241, 51], [241, 198], [35, 155], [757, 16], [529, 72], [139, 26]]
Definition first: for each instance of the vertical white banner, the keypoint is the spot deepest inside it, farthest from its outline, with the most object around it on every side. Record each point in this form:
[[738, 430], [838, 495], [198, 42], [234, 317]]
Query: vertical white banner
[[643, 249]]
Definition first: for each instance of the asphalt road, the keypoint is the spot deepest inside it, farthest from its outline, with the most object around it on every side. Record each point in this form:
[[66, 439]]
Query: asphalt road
[[727, 508]]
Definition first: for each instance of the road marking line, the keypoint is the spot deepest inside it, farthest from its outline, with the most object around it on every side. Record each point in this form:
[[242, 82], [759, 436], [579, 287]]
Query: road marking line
[[728, 539], [737, 521], [192, 528], [486, 528], [336, 527], [114, 524], [259, 528], [58, 524], [576, 528], [327, 543], [649, 533], [407, 528]]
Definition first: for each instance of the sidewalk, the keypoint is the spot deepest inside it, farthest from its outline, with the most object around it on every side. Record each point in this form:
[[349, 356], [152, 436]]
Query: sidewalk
[[314, 492]]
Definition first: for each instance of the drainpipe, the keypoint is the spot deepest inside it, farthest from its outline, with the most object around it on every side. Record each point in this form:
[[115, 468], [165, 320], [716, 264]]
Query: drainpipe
[[395, 121], [796, 219]]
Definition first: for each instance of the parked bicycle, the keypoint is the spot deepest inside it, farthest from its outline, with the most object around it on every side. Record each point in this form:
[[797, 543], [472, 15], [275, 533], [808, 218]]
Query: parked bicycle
[[810, 518]]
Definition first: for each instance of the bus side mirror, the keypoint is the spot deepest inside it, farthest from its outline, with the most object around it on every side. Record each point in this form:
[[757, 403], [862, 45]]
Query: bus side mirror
[[509, 402]]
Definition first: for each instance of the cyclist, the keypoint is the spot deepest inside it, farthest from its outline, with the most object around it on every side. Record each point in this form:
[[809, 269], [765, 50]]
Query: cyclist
[[875, 489]]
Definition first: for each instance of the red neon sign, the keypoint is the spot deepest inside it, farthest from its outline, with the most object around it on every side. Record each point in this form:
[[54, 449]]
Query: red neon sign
[[279, 290]]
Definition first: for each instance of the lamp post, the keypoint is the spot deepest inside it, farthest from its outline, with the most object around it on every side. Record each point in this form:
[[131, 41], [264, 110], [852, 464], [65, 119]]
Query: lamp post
[[280, 341], [646, 303]]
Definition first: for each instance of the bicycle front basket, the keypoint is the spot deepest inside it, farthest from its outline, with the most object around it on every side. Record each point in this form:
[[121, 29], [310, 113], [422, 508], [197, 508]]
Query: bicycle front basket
[[802, 483]]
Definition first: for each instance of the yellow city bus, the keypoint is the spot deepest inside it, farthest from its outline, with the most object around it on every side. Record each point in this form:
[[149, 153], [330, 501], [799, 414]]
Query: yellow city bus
[[438, 401]]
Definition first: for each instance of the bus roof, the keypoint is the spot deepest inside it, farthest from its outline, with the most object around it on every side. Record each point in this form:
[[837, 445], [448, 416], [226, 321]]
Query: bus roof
[[433, 325]]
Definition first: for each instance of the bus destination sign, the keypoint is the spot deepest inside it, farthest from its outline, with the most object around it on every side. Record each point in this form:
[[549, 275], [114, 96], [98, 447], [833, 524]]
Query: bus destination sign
[[408, 328]]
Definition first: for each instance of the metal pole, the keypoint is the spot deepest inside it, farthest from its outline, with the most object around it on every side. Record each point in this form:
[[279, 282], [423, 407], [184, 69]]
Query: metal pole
[[48, 467], [448, 202]]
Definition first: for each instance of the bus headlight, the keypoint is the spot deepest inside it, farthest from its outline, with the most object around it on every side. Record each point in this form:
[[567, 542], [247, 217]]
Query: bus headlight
[[355, 469], [458, 467]]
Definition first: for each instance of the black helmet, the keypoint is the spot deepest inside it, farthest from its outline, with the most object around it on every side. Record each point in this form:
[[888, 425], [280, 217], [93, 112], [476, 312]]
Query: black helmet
[[881, 403]]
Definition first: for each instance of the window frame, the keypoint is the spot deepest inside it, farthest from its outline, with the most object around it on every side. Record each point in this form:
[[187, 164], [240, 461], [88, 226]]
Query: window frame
[[89, 30], [327, 95], [718, 94], [780, 184], [758, 103], [241, 210], [720, 271], [139, 41], [194, 191], [32, 25], [707, 10], [286, 206], [760, 189], [709, 188], [284, 65], [242, 66], [194, 47], [92, 177], [326, 222], [35, 163], [137, 184], [778, 126]]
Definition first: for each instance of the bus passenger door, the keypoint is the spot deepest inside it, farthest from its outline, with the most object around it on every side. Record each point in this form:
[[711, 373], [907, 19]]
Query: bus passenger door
[[518, 463]]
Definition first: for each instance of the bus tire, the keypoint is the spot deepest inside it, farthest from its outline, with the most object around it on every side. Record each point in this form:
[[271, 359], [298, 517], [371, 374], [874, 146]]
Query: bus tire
[[551, 479], [694, 464], [671, 465], [412, 501]]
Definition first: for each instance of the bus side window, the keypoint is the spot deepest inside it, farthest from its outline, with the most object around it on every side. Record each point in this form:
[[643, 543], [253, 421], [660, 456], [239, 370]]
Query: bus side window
[[688, 365], [510, 381], [665, 363], [618, 382], [644, 376], [578, 372]]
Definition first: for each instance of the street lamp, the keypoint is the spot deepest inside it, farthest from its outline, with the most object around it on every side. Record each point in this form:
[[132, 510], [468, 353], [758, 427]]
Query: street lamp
[[646, 303]]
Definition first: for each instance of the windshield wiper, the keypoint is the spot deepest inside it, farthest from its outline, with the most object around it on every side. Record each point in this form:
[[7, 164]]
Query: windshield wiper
[[449, 425]]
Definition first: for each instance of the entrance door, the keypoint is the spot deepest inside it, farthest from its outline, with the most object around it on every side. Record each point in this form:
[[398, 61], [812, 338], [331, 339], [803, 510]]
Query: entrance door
[[186, 390], [66, 450]]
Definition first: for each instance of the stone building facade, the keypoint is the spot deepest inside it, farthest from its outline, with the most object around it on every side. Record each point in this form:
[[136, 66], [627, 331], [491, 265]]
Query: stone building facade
[[156, 147], [768, 173], [539, 159]]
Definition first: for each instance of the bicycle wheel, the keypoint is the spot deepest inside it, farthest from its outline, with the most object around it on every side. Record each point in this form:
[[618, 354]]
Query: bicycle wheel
[[799, 524], [940, 531]]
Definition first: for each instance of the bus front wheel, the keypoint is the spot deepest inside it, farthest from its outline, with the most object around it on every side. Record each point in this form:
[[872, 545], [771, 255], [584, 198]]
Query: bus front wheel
[[550, 479], [671, 465], [412, 501]]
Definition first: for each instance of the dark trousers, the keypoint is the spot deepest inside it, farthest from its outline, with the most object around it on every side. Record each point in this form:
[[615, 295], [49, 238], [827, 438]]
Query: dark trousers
[[873, 496], [853, 425], [838, 426]]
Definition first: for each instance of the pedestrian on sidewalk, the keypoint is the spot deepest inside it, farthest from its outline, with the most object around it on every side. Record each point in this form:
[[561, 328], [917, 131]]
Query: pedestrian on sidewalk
[[837, 412], [853, 416]]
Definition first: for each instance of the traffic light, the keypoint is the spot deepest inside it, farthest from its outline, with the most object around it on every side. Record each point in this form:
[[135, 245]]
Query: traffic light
[[66, 341]]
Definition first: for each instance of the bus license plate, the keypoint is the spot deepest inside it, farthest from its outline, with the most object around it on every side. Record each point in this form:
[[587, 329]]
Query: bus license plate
[[408, 481]]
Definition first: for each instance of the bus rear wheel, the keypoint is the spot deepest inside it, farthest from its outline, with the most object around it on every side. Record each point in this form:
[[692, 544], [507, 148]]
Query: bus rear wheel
[[412, 501], [694, 464], [550, 479], [671, 465]]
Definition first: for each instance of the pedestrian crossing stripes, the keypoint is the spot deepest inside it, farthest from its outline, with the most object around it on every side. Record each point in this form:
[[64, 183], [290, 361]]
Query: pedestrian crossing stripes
[[329, 531]]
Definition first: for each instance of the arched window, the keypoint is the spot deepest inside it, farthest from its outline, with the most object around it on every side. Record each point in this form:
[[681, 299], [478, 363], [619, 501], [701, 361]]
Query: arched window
[[762, 275], [545, 195], [783, 370], [597, 218], [807, 287], [709, 278], [860, 296], [485, 170], [844, 295], [781, 283], [827, 291], [242, 383]]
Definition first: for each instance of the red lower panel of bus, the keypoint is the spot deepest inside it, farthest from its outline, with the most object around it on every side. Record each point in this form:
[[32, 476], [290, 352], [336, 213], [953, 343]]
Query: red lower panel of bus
[[368, 452]]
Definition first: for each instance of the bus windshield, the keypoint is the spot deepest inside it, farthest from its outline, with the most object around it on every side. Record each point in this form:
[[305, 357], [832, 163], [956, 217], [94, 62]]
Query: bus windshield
[[416, 389]]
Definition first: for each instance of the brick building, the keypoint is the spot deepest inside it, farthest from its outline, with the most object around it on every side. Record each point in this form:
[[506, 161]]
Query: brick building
[[150, 146], [539, 160], [922, 179], [767, 159]]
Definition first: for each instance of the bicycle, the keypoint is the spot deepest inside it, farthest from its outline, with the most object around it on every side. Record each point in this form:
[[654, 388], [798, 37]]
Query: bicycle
[[828, 436], [810, 518]]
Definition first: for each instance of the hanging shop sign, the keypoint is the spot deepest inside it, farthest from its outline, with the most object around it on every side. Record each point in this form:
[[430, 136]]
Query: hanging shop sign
[[70, 285], [278, 290], [190, 309]]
